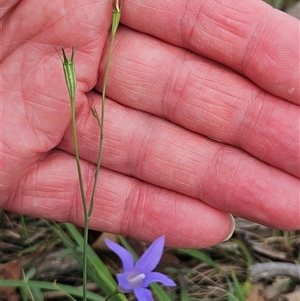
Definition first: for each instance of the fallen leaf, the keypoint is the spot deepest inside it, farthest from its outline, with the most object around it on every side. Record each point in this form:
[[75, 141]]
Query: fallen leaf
[[10, 270]]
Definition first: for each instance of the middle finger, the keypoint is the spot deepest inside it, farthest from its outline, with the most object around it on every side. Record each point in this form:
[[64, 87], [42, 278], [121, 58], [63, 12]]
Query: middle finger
[[159, 152], [205, 97]]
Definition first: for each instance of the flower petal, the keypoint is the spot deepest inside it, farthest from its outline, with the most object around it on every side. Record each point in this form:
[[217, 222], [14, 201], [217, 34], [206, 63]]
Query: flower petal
[[124, 255], [123, 284], [158, 277], [149, 260], [143, 294]]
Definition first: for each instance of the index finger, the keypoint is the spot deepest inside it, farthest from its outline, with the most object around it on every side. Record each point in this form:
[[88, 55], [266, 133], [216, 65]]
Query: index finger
[[248, 36]]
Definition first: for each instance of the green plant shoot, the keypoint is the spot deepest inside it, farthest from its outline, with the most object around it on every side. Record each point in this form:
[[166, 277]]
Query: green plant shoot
[[116, 16], [70, 78], [69, 71]]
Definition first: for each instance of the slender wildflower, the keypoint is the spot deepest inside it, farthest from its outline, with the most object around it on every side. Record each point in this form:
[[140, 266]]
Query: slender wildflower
[[116, 16], [136, 277], [70, 78]]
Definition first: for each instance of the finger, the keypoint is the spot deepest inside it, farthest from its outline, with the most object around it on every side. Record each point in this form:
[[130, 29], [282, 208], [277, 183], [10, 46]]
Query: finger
[[249, 37], [36, 107], [156, 151], [5, 6], [52, 27], [204, 97], [123, 205]]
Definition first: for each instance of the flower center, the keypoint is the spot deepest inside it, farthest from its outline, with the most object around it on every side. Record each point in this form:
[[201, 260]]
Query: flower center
[[136, 280]]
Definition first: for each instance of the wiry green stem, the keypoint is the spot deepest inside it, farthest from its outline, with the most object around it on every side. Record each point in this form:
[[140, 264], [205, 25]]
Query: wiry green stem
[[115, 23], [70, 76], [112, 295], [114, 26]]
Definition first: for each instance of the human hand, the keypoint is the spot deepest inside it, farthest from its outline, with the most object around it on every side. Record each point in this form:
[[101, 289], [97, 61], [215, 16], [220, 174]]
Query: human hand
[[181, 73]]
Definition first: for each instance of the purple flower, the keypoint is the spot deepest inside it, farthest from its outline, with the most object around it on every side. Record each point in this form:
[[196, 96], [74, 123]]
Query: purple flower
[[137, 277]]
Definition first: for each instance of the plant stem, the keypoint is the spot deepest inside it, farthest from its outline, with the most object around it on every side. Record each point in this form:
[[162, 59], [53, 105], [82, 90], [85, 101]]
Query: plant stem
[[115, 23], [70, 77]]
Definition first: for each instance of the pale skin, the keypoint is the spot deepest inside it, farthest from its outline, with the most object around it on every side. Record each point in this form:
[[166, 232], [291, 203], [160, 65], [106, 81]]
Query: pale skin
[[184, 76]]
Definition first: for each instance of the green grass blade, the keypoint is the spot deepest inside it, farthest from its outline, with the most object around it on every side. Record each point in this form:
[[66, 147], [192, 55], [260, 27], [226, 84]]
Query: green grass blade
[[37, 294], [34, 292], [97, 270], [126, 245], [73, 291], [159, 292], [201, 256], [92, 256], [246, 252], [238, 289], [184, 296]]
